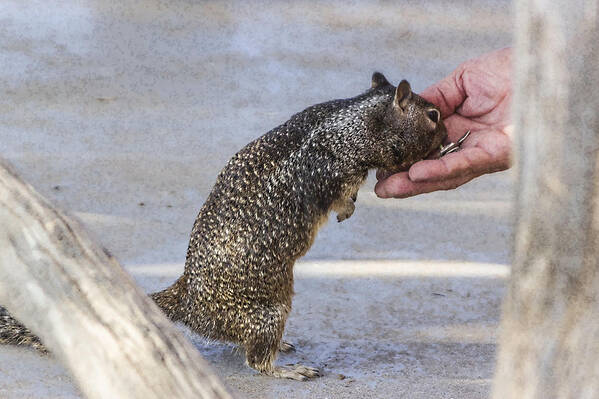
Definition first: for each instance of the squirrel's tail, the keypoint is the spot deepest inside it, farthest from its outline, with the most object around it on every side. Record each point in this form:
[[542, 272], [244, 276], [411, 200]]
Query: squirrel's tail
[[14, 333], [170, 300]]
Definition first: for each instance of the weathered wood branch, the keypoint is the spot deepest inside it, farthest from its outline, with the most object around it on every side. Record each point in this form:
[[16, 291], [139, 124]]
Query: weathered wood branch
[[87, 310], [549, 343]]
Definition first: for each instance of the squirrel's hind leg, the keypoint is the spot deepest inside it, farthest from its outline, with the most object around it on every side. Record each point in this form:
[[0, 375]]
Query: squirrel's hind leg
[[263, 342]]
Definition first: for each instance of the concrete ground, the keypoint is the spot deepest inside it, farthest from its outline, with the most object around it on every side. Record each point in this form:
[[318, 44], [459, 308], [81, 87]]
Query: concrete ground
[[123, 114]]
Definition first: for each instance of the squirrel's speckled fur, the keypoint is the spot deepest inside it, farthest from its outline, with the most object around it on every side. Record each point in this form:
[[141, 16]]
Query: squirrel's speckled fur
[[268, 203], [15, 333]]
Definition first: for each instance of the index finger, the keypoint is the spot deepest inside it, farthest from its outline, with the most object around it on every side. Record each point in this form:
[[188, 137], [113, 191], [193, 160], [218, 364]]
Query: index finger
[[467, 161], [447, 94]]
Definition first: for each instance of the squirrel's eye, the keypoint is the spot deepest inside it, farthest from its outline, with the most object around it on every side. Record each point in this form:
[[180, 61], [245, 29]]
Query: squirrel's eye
[[434, 115]]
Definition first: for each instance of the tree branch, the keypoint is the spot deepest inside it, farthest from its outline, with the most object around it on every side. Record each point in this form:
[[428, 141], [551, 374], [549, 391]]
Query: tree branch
[[86, 309]]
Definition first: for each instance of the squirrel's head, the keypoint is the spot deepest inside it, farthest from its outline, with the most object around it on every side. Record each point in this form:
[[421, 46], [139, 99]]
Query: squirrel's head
[[405, 128]]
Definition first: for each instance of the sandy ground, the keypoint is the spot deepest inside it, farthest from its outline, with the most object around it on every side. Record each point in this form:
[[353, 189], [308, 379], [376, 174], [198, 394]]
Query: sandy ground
[[124, 114]]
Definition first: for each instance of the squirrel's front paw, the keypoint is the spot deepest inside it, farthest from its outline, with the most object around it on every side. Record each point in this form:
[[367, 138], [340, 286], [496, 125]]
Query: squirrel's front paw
[[346, 211]]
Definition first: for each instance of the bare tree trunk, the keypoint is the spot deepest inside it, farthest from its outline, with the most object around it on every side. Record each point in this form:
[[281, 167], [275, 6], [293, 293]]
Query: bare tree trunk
[[87, 310], [549, 344]]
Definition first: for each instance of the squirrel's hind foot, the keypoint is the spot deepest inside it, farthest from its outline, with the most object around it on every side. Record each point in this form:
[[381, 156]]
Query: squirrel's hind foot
[[297, 372]]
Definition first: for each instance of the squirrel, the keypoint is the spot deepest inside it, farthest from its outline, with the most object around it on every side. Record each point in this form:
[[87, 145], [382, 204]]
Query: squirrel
[[266, 207]]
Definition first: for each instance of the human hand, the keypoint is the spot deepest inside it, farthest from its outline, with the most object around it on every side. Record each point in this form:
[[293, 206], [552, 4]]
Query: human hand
[[476, 96]]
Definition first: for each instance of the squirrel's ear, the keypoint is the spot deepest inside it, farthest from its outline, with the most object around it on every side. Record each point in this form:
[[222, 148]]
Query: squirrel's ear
[[379, 80], [403, 94]]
